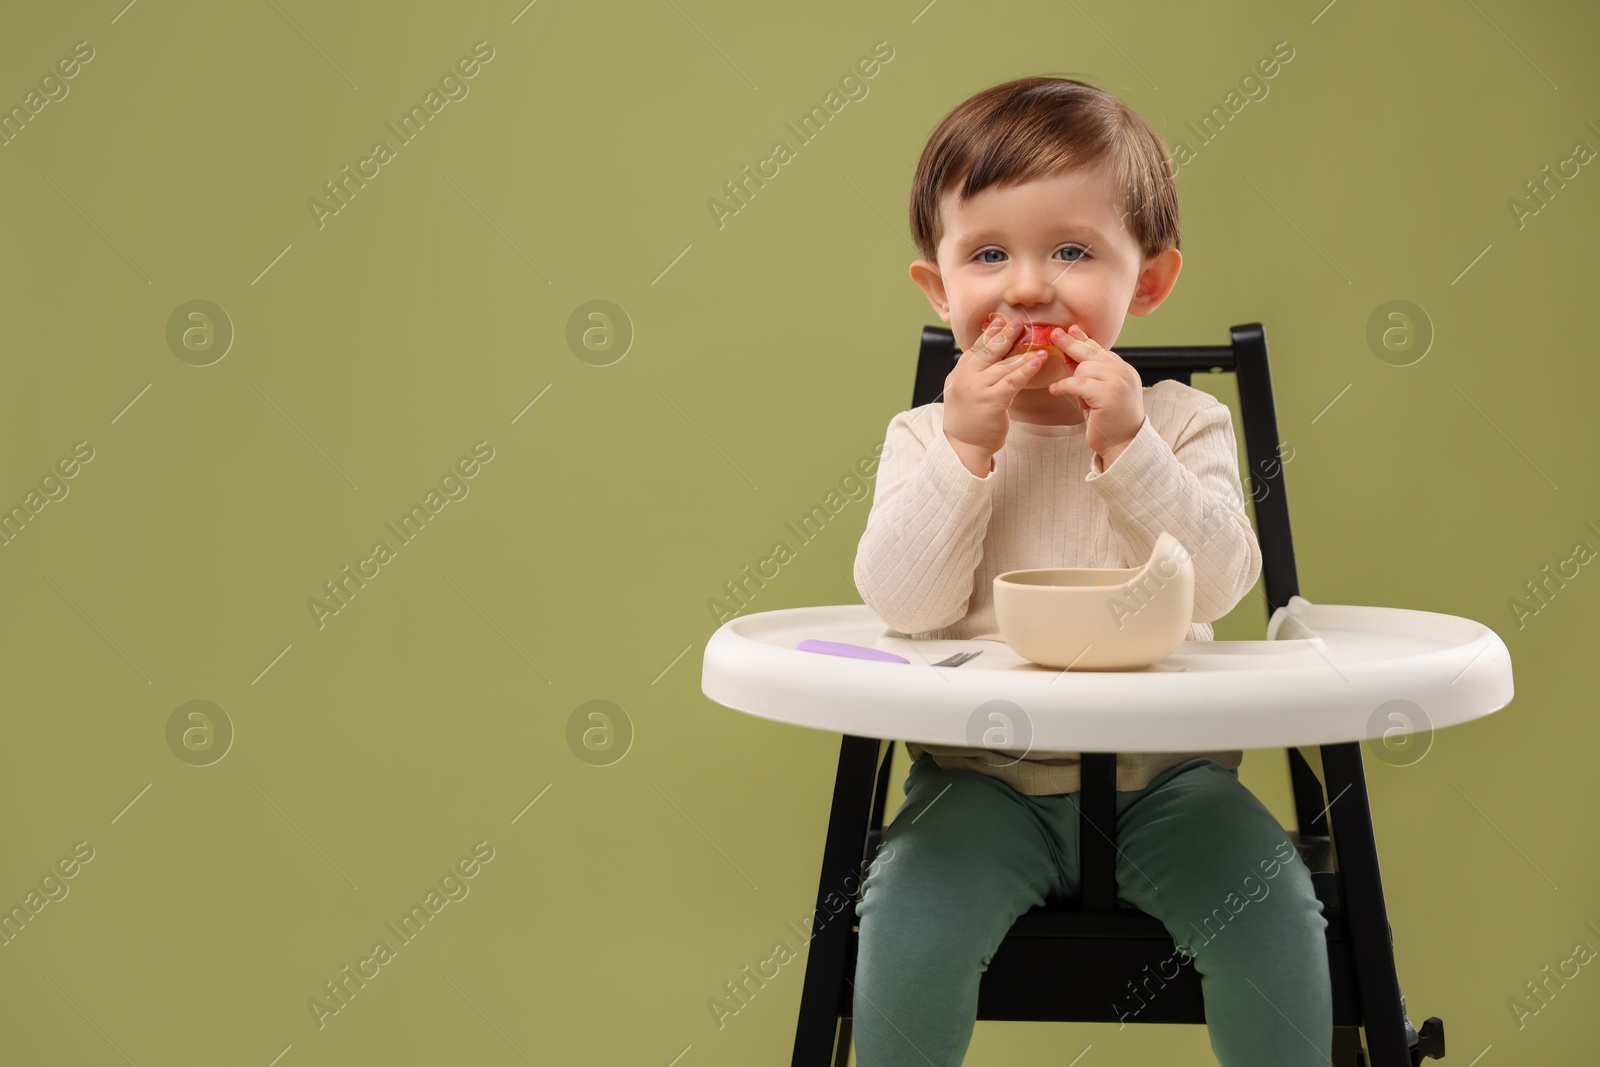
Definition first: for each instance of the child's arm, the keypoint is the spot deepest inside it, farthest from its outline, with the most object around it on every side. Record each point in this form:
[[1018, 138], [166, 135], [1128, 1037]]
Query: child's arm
[[1191, 490], [924, 537]]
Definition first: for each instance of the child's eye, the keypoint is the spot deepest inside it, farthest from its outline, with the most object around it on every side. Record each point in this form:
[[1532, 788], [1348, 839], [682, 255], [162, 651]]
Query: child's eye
[[1065, 248]]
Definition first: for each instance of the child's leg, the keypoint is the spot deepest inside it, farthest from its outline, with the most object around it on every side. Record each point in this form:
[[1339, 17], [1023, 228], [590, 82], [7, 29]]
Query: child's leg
[[1204, 855], [965, 855]]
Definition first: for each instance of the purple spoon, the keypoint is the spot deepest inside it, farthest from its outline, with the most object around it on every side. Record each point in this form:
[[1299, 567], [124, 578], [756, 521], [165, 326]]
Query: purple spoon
[[840, 648]]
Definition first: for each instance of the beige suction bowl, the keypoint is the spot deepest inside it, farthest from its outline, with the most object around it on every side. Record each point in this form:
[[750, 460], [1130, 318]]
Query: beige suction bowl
[[1099, 618]]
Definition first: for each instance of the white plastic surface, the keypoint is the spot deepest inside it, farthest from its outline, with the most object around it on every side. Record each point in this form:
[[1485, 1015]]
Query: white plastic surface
[[1322, 677]]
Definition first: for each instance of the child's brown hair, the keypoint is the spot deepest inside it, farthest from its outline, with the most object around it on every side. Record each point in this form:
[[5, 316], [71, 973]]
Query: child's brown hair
[[1037, 127]]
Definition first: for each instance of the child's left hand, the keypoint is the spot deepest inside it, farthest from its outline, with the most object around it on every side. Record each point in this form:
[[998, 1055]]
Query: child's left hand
[[1108, 390]]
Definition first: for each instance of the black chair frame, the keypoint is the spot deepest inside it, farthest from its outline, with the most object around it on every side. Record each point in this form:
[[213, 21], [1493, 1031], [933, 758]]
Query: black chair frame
[[1072, 961]]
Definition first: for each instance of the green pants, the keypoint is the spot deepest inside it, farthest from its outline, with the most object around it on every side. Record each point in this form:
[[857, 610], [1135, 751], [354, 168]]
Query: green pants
[[967, 854]]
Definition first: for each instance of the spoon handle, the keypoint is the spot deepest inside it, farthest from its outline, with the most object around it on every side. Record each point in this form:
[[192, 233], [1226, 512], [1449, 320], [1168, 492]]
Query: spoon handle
[[840, 648]]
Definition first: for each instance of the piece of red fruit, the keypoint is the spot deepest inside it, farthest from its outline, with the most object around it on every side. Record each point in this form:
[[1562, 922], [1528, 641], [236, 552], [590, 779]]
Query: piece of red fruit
[[1035, 336]]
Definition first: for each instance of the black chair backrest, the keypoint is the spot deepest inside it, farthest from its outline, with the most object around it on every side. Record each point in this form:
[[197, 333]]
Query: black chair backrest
[[1246, 357]]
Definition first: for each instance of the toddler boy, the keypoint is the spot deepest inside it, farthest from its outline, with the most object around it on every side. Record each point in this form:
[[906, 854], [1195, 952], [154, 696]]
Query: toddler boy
[[1070, 217]]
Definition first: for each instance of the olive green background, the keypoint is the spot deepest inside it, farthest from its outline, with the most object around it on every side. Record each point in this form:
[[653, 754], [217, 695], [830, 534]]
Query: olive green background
[[436, 709]]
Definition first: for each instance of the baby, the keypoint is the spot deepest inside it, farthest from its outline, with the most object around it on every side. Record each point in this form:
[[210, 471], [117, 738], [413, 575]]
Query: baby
[[1047, 201]]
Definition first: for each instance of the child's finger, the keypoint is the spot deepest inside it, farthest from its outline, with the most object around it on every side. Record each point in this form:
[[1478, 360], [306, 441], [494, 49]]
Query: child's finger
[[1065, 387], [981, 342], [995, 342], [1023, 367], [1002, 370]]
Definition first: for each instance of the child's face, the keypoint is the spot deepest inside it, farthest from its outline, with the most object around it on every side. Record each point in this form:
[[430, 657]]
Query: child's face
[[1051, 250]]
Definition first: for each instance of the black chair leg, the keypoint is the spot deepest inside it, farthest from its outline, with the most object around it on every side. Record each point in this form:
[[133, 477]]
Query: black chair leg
[[817, 1031], [1361, 890]]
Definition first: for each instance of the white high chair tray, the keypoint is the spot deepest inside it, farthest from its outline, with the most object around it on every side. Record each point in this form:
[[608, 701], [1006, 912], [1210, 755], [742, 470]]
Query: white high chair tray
[[1321, 677]]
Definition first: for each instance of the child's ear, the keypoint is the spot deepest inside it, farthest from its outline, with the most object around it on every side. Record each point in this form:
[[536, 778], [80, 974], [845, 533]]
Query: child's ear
[[926, 274], [1156, 279]]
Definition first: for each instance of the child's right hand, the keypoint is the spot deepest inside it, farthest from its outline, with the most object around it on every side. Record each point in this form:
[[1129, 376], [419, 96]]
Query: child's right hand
[[979, 391]]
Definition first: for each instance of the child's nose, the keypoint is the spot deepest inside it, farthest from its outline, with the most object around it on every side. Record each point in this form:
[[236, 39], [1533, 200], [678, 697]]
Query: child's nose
[[1027, 298]]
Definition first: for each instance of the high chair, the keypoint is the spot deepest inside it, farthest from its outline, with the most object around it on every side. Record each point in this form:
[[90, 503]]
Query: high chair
[[1070, 961]]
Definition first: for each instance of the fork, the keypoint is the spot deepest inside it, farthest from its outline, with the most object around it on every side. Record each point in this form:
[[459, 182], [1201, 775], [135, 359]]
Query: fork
[[958, 659]]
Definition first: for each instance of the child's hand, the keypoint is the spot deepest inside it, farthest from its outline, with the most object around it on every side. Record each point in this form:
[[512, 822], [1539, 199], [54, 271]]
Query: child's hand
[[979, 391], [1108, 390]]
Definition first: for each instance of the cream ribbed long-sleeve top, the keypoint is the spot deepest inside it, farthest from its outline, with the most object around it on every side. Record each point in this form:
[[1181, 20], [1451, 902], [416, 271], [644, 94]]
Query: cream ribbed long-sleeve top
[[937, 536]]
